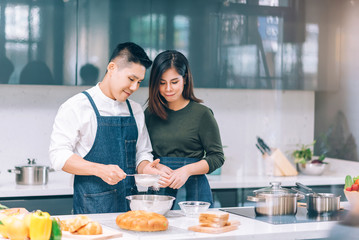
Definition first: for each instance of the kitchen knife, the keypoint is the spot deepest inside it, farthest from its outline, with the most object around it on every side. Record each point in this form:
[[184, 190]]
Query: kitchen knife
[[260, 149], [264, 146]]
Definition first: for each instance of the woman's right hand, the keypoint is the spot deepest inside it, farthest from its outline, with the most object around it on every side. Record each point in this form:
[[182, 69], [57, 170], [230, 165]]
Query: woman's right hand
[[166, 173]]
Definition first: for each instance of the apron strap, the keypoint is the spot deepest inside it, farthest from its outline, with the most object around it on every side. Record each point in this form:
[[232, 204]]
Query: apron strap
[[96, 110], [92, 103], [129, 107]]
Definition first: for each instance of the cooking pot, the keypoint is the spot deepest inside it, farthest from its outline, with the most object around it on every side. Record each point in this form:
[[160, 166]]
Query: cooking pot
[[31, 174], [319, 202], [275, 200], [322, 203]]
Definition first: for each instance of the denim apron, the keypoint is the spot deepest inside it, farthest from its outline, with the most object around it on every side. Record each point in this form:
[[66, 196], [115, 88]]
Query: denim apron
[[196, 188], [115, 143]]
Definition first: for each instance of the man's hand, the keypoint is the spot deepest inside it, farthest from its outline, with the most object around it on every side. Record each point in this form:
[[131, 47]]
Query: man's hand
[[150, 167], [111, 174]]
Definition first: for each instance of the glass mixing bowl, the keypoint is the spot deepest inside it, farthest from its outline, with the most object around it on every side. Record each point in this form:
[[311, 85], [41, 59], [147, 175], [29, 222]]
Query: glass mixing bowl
[[193, 208]]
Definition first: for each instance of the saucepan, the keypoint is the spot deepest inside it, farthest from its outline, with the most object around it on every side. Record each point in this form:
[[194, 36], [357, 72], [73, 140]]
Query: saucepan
[[319, 202], [275, 200], [31, 174]]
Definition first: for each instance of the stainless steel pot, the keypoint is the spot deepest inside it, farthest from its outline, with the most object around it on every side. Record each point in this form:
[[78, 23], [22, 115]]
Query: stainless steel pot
[[31, 174], [323, 203], [275, 200], [319, 202]]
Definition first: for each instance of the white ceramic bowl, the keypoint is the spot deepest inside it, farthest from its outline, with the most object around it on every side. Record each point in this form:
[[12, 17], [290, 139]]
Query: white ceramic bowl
[[353, 199], [312, 168], [193, 208], [152, 203]]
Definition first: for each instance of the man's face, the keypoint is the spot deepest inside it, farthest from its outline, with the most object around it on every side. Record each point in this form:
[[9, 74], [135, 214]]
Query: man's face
[[126, 80]]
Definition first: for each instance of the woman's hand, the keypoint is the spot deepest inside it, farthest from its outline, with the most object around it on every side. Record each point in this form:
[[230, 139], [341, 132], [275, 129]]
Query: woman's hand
[[165, 175], [164, 168], [159, 169], [179, 177]]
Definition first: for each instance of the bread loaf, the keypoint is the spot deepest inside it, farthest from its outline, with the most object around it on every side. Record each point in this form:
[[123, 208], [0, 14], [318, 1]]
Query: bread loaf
[[213, 219], [140, 220]]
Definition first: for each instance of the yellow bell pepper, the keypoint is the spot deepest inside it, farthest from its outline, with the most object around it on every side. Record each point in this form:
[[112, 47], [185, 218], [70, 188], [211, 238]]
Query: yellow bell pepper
[[3, 227], [40, 226]]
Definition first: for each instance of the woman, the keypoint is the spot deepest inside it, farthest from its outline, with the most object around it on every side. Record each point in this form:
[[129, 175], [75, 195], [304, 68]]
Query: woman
[[184, 133]]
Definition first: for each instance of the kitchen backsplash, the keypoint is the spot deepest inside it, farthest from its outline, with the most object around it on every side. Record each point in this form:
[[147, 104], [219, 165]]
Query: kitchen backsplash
[[282, 118]]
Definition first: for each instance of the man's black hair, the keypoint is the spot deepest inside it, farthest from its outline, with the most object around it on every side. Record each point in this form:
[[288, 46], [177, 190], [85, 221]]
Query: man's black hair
[[133, 53]]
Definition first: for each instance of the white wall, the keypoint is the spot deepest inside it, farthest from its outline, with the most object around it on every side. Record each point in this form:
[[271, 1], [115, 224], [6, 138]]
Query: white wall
[[283, 119]]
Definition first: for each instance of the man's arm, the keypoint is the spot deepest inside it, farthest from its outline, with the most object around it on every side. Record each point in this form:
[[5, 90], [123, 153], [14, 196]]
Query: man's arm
[[110, 174]]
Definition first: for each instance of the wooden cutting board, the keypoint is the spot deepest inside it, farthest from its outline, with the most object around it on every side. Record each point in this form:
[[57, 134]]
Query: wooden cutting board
[[107, 233], [233, 226]]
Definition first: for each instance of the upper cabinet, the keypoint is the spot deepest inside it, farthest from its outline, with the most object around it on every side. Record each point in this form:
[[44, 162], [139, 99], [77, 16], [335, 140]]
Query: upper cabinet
[[256, 44]]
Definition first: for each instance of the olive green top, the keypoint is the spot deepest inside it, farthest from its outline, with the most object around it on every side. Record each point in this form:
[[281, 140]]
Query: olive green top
[[189, 132]]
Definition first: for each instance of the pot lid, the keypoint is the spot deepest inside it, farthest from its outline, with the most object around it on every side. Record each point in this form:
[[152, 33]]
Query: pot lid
[[31, 163], [274, 189]]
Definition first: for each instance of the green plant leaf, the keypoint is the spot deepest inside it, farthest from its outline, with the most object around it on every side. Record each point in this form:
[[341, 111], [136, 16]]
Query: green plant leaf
[[305, 153]]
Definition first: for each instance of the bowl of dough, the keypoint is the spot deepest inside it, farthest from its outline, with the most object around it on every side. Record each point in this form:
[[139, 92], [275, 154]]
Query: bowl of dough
[[152, 203], [193, 208]]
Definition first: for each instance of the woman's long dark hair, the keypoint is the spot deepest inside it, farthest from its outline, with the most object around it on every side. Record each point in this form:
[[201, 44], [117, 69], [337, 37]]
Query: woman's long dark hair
[[164, 61]]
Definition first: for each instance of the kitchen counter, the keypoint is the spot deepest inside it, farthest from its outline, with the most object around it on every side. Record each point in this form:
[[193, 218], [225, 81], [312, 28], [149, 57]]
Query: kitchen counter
[[334, 175], [248, 228], [60, 183]]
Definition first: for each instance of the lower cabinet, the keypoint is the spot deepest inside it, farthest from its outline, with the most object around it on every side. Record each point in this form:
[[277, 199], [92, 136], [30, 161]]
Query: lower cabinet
[[55, 205], [232, 197]]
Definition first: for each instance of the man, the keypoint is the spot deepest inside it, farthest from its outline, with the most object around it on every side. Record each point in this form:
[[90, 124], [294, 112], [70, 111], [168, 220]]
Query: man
[[100, 136]]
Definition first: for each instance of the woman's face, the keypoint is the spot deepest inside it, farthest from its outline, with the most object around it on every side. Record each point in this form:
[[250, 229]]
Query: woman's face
[[171, 86]]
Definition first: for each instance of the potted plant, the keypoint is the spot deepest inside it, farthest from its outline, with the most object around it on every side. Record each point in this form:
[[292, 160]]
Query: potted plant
[[306, 162]]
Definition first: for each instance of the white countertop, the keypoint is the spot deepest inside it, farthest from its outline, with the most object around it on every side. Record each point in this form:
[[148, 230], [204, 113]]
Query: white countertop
[[334, 175], [248, 228], [60, 183]]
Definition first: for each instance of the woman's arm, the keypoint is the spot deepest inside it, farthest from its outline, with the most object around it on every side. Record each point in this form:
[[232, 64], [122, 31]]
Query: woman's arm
[[211, 141], [179, 176]]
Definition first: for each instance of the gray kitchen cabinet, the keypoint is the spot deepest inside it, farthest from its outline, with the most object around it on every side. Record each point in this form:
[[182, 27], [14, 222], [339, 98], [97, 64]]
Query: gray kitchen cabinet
[[55, 205]]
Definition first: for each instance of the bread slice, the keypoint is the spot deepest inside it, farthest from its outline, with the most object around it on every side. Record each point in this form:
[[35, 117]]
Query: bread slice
[[77, 222], [213, 219], [91, 228]]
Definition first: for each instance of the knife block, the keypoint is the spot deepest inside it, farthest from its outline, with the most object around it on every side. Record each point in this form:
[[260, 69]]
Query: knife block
[[281, 166]]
